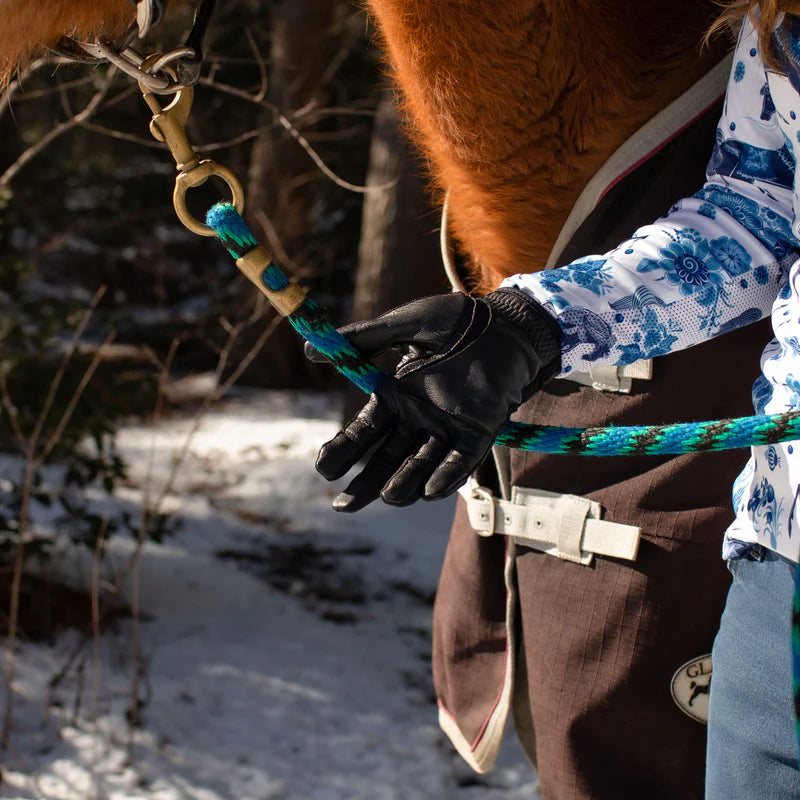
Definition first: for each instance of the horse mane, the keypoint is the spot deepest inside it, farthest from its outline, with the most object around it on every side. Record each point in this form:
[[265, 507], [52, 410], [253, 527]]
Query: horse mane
[[517, 104], [31, 26]]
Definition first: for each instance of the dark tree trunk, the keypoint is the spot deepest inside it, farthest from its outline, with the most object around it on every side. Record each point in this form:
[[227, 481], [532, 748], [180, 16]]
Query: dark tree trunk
[[399, 251], [281, 177]]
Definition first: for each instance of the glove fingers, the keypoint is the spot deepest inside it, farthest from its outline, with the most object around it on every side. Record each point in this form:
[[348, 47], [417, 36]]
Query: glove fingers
[[386, 460], [353, 442], [407, 485], [451, 474]]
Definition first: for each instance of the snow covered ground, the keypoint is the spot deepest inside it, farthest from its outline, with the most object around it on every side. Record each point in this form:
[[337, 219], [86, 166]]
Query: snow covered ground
[[286, 647]]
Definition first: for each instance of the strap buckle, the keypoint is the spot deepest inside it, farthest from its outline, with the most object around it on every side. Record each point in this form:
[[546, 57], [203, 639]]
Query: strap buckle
[[486, 510], [562, 525]]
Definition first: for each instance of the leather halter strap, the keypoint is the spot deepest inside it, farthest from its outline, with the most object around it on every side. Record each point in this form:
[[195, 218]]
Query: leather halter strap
[[185, 62], [148, 14]]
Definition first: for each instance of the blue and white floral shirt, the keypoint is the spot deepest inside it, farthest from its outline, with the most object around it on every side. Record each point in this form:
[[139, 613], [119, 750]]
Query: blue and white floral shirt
[[723, 258]]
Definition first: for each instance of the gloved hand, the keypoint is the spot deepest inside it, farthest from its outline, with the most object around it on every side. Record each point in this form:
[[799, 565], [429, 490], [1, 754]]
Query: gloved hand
[[467, 364]]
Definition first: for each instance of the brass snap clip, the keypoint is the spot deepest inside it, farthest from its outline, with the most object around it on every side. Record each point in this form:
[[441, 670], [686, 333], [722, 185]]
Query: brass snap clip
[[169, 125]]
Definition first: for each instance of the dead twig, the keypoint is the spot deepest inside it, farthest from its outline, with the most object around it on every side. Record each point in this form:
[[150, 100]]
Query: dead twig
[[293, 131], [274, 241], [33, 439], [15, 86], [59, 130], [136, 558], [33, 458]]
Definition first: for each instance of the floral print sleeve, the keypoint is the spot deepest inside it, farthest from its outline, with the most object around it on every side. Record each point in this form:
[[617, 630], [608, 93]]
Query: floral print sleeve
[[714, 262]]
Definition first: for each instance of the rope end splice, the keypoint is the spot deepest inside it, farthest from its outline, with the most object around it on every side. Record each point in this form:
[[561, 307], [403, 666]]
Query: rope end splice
[[257, 265], [253, 260], [289, 299], [230, 228]]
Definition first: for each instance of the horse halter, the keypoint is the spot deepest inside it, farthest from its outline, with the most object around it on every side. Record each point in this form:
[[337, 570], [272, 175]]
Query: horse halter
[[170, 72]]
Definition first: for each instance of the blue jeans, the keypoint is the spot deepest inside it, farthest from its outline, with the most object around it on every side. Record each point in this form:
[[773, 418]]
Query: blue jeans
[[752, 748]]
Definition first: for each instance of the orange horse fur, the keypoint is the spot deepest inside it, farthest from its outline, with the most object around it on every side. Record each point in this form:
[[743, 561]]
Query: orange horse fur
[[516, 104]]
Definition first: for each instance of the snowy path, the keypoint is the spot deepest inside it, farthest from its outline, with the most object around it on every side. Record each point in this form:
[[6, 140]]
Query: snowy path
[[287, 646]]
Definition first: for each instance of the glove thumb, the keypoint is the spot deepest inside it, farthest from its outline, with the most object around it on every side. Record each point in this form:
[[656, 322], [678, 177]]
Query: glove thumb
[[425, 323]]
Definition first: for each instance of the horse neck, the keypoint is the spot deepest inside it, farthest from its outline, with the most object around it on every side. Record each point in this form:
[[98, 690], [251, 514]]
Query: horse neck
[[518, 103]]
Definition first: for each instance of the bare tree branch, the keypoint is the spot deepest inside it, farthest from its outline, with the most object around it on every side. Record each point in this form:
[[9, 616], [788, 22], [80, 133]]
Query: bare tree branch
[[62, 367], [287, 125], [73, 401], [262, 67], [15, 86], [13, 417], [59, 130], [112, 133], [274, 241], [38, 94]]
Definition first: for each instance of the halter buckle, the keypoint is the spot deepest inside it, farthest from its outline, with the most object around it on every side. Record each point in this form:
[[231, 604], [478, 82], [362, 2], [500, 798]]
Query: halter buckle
[[168, 125]]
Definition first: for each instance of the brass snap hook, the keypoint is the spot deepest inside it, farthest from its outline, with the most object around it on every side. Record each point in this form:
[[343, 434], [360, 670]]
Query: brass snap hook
[[168, 125]]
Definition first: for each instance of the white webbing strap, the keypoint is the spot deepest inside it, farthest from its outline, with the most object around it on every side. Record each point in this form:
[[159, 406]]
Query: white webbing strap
[[562, 525], [606, 378]]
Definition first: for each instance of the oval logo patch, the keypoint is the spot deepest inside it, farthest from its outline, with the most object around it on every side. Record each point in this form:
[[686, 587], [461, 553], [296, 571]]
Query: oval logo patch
[[690, 686]]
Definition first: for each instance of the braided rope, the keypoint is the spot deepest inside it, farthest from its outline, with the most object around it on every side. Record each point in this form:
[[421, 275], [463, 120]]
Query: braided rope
[[310, 322], [686, 437], [637, 440]]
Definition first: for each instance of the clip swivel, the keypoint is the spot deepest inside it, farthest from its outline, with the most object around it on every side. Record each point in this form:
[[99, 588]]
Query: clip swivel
[[169, 126]]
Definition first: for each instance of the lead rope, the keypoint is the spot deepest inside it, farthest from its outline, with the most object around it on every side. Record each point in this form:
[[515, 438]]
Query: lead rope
[[309, 320]]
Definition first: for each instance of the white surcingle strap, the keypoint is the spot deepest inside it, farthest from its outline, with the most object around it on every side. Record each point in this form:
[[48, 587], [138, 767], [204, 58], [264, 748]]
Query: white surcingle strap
[[562, 525], [606, 378]]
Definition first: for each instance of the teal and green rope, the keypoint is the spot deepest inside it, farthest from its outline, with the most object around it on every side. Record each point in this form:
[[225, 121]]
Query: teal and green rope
[[310, 322], [686, 437]]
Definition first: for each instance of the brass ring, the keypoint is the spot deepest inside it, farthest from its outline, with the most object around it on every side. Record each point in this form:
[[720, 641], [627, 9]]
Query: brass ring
[[195, 177]]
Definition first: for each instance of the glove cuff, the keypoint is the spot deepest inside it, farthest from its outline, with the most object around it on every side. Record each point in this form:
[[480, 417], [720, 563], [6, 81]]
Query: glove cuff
[[536, 325]]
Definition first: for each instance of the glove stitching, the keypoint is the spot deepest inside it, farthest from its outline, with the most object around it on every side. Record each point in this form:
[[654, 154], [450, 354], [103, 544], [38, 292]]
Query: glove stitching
[[452, 347]]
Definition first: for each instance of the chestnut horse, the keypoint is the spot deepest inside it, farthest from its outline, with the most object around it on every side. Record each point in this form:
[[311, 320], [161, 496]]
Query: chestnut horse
[[517, 104]]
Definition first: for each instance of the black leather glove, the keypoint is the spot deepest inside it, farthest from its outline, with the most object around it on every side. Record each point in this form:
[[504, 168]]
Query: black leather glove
[[467, 364]]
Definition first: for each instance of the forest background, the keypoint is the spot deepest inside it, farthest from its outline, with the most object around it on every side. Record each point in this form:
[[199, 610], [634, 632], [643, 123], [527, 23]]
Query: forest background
[[117, 322]]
